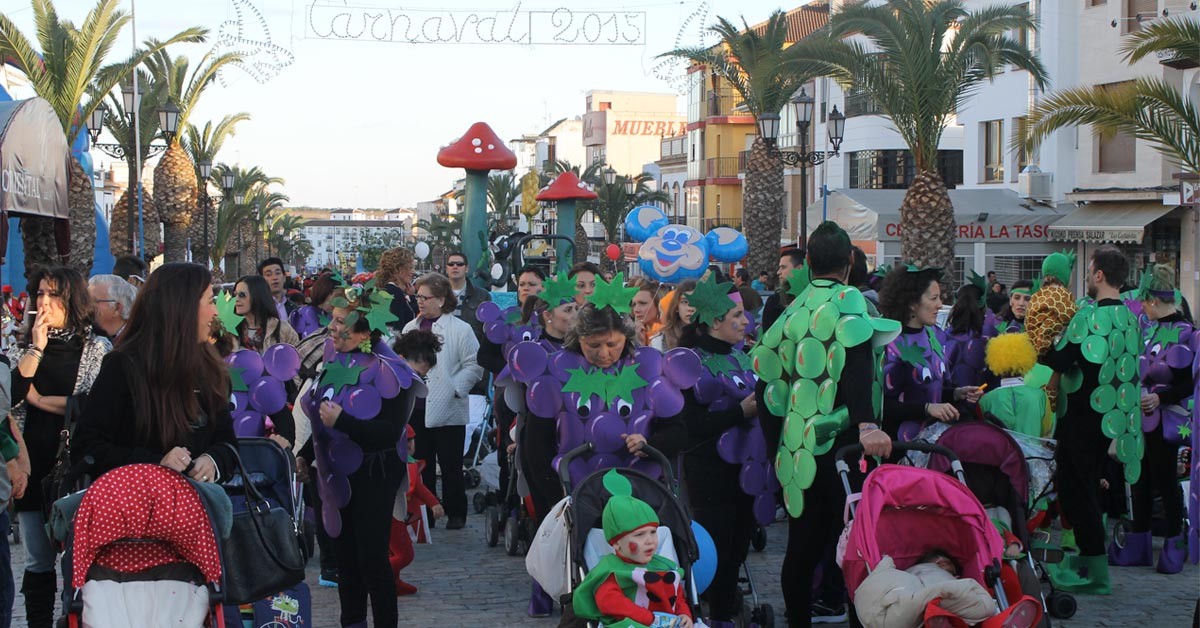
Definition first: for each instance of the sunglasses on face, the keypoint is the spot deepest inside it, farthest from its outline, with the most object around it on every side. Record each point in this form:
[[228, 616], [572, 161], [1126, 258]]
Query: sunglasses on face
[[456, 264], [241, 295]]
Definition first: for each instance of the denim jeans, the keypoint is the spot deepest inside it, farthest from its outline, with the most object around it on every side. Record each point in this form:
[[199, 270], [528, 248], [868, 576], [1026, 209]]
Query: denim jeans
[[39, 552], [7, 585]]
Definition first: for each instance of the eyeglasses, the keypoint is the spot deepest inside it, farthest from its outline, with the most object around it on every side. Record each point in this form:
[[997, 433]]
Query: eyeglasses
[[105, 300], [456, 264], [422, 298], [241, 295]]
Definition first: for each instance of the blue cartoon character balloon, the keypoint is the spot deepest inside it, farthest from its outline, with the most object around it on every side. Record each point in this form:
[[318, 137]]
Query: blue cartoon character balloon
[[673, 252]]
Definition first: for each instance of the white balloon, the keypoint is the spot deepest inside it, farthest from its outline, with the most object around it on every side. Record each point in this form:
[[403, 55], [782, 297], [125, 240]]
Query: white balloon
[[497, 271], [421, 250]]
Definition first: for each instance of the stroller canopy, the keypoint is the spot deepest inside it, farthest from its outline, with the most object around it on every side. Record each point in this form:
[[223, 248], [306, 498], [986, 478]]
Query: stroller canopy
[[905, 512], [144, 502], [985, 444]]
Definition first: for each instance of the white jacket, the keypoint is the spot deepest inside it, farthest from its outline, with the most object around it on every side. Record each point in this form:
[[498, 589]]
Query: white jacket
[[457, 371]]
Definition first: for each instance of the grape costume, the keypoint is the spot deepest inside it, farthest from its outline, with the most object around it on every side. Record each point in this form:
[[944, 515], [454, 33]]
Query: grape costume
[[308, 319]]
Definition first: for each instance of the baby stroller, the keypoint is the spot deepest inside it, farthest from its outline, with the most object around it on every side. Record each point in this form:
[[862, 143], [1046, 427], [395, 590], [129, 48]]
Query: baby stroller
[[998, 473], [510, 516], [143, 551], [904, 512], [480, 439], [586, 507]]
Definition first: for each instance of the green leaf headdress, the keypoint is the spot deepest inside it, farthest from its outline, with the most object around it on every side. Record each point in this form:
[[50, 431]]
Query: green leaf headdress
[[559, 289], [373, 303], [613, 294], [1146, 288], [225, 312], [711, 300], [979, 281]]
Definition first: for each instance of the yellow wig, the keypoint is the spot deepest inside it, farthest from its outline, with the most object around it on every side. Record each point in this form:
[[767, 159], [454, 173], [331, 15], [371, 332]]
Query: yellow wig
[[1011, 355]]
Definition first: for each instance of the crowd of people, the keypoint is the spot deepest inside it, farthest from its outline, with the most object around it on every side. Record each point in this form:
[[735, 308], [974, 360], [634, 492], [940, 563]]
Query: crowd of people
[[111, 360]]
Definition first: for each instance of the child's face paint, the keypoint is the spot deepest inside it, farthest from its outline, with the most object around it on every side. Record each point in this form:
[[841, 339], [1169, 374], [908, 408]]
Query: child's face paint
[[638, 547]]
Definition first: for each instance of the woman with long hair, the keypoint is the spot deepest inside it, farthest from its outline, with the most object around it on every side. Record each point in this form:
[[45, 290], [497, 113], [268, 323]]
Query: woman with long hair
[[645, 309], [966, 337], [261, 326], [677, 314], [58, 359], [395, 275]]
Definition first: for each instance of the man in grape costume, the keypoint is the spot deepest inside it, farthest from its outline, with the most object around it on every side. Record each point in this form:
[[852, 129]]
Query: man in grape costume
[[1096, 359], [820, 360], [633, 587], [1165, 368]]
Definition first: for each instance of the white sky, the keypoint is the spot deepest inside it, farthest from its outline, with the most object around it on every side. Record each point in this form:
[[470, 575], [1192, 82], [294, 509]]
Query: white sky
[[357, 123]]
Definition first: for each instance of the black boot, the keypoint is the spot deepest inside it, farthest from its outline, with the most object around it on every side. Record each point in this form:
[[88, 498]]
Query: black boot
[[39, 590]]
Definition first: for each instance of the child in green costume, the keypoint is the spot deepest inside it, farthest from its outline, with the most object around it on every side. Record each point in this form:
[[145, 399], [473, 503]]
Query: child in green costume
[[633, 587]]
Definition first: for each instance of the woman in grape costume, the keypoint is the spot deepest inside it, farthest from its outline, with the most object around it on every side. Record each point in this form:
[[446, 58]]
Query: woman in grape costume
[[915, 384], [730, 482], [967, 332], [1165, 369], [359, 408]]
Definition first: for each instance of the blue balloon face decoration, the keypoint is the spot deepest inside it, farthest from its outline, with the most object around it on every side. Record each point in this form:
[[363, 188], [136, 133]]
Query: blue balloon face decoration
[[673, 252]]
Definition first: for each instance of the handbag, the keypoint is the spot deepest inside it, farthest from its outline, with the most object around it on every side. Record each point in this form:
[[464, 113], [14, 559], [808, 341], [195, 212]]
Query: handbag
[[65, 478], [264, 554]]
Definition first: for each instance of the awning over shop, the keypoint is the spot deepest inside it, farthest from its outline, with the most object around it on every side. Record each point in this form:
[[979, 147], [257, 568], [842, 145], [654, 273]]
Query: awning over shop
[[33, 160], [997, 215], [1108, 222]]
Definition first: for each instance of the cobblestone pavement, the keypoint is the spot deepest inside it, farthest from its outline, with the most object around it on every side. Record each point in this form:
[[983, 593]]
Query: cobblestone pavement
[[462, 582]]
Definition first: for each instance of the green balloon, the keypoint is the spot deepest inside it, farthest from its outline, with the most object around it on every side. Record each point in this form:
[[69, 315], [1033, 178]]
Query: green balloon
[[1071, 381], [1108, 370], [1133, 341], [810, 358], [824, 321], [854, 330], [805, 466], [1133, 471], [1099, 321], [1077, 330], [784, 467], [774, 334], [1127, 448], [819, 295], [1104, 398], [1127, 367], [1141, 442], [851, 301], [1128, 397], [804, 397], [766, 364], [826, 395], [835, 360], [787, 355], [797, 324], [1119, 321], [1114, 423], [1133, 420], [793, 500], [1095, 349], [776, 397], [793, 432], [1116, 345]]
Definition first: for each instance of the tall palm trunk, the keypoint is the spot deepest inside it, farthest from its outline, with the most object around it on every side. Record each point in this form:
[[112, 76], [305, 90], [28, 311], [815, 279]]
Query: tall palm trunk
[[118, 229], [81, 199], [927, 237], [246, 240], [175, 195], [37, 239], [762, 206]]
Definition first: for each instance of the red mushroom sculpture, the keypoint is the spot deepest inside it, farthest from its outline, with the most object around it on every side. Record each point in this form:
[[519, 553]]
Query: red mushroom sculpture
[[565, 190], [478, 151]]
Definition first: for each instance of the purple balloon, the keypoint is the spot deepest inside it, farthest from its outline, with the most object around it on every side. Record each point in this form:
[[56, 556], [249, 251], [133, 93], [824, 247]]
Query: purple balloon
[[240, 401], [764, 508], [268, 396], [1179, 356], [640, 424], [496, 331], [488, 312], [605, 430], [665, 398], [514, 397], [649, 362], [682, 366], [707, 389], [570, 432], [332, 520], [721, 405], [1150, 421], [561, 361], [577, 470], [387, 381], [604, 461], [528, 360], [249, 361], [732, 445], [282, 361], [363, 402], [544, 397], [247, 424], [753, 478], [345, 456], [757, 444], [908, 431], [647, 466]]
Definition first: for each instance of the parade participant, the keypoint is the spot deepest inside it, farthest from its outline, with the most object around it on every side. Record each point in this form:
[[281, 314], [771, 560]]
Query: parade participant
[[585, 275], [677, 314], [619, 591], [271, 269], [1017, 400], [1098, 401], [645, 309], [113, 299], [56, 364], [839, 392], [357, 426], [468, 296], [310, 318], [1011, 317], [727, 483], [966, 335], [261, 326], [440, 436], [789, 260], [1166, 381], [915, 387], [530, 280], [1052, 305], [395, 274], [997, 298]]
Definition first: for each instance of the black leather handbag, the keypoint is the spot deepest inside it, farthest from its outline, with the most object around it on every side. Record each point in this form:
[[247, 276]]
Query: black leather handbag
[[264, 554]]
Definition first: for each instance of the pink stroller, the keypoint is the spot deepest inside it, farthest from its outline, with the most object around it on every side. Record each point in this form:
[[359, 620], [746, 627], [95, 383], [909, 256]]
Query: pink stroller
[[904, 512]]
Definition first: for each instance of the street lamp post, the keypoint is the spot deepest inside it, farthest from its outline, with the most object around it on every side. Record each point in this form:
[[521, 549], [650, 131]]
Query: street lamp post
[[238, 199], [227, 181], [205, 168], [768, 127]]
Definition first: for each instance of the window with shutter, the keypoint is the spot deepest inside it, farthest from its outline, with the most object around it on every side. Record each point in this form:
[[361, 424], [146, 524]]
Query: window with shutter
[[1116, 153], [1138, 13]]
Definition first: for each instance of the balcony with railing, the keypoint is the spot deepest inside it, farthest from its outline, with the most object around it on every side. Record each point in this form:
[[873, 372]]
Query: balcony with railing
[[721, 168], [674, 150], [723, 103]]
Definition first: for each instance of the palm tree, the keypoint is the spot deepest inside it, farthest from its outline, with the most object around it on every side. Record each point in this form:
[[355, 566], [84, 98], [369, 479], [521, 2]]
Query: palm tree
[[69, 69], [442, 234], [1148, 108], [203, 145], [765, 71], [235, 225], [175, 175], [121, 230], [502, 191], [924, 61], [284, 238], [267, 206]]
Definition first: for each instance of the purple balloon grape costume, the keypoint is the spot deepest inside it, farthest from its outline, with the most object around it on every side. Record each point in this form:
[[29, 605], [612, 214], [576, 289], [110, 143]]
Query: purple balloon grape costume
[[966, 351], [1167, 346], [358, 381], [501, 328], [308, 319], [258, 382], [914, 371], [595, 405]]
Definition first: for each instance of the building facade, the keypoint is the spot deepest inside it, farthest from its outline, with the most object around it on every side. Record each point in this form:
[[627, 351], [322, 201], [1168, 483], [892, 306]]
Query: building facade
[[624, 129]]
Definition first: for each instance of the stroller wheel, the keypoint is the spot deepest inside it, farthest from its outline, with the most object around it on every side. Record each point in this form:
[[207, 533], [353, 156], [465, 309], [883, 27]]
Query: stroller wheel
[[1061, 605], [763, 616], [1120, 530], [512, 536], [759, 540], [491, 526], [471, 477], [479, 501]]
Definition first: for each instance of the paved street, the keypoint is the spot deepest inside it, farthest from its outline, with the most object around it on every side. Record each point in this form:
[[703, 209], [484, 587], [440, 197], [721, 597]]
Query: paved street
[[463, 582]]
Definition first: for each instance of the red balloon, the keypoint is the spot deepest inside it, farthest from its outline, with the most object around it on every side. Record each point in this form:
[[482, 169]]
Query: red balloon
[[613, 251]]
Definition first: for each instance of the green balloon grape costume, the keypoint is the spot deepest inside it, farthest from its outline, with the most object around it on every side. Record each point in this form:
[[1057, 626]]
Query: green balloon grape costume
[[801, 358]]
